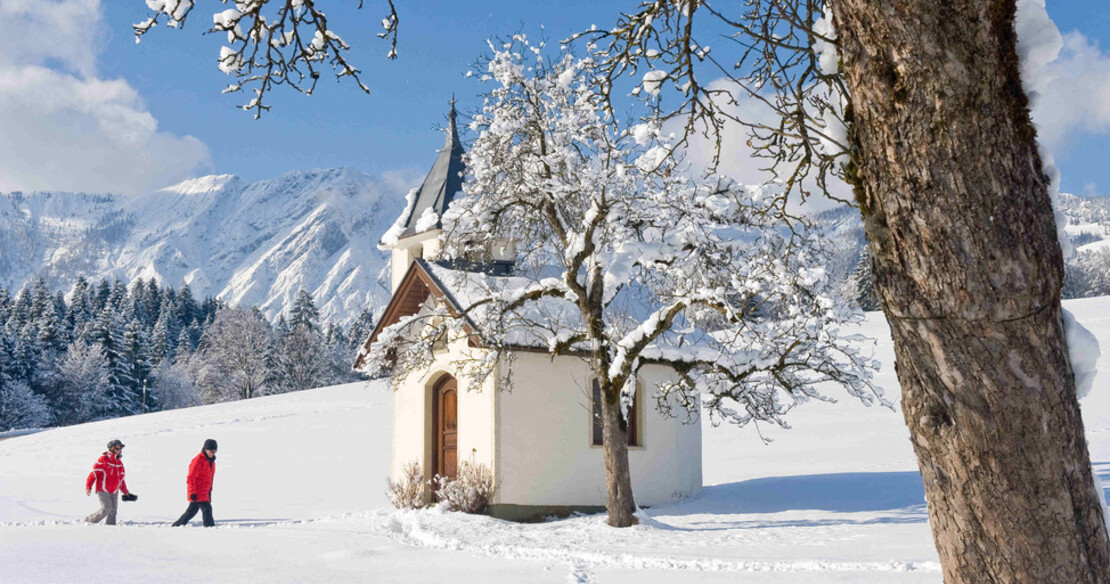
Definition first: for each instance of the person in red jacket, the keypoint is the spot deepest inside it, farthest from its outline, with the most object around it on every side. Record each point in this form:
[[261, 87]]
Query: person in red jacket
[[107, 477], [199, 484]]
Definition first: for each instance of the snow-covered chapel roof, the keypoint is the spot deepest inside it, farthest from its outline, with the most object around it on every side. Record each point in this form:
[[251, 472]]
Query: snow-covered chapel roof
[[536, 326], [444, 180]]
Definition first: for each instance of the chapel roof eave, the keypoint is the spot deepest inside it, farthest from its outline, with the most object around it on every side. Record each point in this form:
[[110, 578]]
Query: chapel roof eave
[[415, 286]]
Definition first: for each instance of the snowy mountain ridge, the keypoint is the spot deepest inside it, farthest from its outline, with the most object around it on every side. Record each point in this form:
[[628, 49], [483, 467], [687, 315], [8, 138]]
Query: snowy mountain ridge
[[259, 243], [245, 243]]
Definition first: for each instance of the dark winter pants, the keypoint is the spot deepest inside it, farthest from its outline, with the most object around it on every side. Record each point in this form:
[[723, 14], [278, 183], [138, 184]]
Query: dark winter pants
[[205, 509], [109, 502]]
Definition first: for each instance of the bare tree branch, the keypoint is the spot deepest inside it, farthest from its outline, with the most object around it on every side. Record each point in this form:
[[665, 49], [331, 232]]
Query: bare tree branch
[[273, 43]]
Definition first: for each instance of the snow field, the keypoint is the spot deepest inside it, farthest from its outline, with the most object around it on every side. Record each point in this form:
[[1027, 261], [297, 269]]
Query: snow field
[[299, 498], [294, 448]]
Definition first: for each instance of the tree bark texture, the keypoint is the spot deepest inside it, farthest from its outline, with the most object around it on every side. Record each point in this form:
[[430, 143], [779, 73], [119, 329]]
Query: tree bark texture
[[618, 478], [968, 270]]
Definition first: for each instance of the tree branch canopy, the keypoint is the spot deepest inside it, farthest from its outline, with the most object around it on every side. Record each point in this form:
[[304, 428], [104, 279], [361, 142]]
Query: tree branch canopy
[[786, 59]]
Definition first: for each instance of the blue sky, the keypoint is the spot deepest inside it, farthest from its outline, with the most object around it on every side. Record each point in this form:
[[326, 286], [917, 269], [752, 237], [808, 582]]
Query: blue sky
[[157, 107], [1083, 159], [391, 129]]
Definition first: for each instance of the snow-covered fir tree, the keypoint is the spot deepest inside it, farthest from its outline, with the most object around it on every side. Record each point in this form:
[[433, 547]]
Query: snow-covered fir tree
[[186, 341], [163, 340], [21, 310], [302, 361], [107, 332], [360, 329], [135, 359], [863, 283], [185, 306], [304, 313]]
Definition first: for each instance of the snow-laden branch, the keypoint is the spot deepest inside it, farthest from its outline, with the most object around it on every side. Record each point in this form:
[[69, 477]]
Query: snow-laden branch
[[272, 43], [547, 288], [414, 341]]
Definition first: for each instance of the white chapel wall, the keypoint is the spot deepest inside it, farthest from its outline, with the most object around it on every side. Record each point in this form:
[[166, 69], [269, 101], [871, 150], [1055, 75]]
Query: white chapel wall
[[537, 437], [545, 451], [421, 245], [412, 415]]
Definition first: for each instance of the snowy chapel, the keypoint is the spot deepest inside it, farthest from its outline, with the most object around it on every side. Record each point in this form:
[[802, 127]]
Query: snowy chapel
[[541, 435]]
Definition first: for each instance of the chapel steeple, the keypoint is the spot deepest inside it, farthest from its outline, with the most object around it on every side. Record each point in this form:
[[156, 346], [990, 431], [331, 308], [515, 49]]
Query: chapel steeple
[[423, 217], [444, 180]]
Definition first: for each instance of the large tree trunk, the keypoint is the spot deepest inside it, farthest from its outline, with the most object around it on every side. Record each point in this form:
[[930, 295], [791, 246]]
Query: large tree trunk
[[618, 479], [968, 269]]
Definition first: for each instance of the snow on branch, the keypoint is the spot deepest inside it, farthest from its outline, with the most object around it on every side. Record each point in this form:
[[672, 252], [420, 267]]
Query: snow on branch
[[272, 43]]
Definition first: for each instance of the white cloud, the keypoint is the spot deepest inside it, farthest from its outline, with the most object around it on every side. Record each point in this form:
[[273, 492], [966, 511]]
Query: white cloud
[[65, 128], [1076, 100], [1067, 76], [64, 32]]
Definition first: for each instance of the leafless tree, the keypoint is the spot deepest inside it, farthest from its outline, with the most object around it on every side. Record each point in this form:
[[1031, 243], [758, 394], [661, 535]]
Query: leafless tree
[[623, 259]]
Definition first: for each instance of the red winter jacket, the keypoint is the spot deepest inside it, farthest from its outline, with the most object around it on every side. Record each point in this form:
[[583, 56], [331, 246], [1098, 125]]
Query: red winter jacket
[[199, 481], [107, 475]]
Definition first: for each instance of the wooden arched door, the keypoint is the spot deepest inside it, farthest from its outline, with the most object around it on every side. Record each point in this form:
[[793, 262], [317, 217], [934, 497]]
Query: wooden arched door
[[445, 427]]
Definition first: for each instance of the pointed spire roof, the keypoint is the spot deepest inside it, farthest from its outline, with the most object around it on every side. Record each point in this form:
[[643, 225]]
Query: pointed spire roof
[[444, 180]]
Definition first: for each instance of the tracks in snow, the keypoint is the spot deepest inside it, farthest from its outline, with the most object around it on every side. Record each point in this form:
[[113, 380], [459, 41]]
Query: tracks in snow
[[582, 562]]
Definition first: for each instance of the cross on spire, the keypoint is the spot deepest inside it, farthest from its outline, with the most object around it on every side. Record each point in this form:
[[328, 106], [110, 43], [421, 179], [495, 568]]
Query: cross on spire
[[452, 130]]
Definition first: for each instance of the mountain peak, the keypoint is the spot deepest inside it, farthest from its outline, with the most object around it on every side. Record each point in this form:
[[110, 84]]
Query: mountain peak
[[204, 184]]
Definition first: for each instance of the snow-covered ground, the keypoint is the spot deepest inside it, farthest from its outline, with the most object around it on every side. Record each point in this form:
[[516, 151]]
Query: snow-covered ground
[[299, 498]]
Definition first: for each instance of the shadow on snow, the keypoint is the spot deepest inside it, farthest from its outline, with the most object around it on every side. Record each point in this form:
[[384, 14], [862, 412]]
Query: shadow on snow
[[886, 497]]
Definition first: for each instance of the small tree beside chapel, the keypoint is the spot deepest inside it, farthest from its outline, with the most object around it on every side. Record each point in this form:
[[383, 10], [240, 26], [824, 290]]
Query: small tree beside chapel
[[624, 259]]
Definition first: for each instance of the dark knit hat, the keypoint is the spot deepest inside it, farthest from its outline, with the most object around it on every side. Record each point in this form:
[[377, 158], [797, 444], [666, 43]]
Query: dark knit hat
[[209, 444]]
